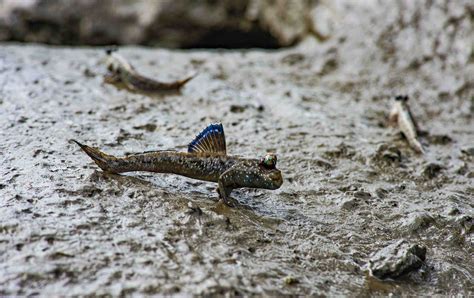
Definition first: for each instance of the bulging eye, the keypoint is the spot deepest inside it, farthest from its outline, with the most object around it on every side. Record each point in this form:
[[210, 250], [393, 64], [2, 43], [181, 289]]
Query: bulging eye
[[401, 98], [269, 161]]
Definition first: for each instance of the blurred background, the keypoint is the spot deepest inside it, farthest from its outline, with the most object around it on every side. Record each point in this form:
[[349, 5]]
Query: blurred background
[[169, 23]]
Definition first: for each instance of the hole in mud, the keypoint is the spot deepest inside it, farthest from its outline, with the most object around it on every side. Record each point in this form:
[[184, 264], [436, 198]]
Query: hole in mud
[[230, 38]]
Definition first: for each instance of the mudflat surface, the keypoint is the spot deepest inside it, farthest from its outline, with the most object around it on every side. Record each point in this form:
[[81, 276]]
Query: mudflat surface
[[352, 185]]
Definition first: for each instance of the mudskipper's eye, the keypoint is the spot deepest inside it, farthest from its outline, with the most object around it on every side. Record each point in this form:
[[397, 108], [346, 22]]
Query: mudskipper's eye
[[269, 161]]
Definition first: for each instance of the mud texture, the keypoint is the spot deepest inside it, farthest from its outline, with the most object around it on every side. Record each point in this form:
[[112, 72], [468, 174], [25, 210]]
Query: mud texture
[[352, 186]]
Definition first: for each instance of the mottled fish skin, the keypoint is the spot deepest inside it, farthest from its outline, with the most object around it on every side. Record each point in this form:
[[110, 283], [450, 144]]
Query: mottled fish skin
[[401, 116], [121, 71], [228, 171]]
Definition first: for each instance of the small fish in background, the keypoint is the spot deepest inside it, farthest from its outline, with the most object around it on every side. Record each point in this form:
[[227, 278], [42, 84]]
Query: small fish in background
[[120, 71], [401, 116], [206, 160]]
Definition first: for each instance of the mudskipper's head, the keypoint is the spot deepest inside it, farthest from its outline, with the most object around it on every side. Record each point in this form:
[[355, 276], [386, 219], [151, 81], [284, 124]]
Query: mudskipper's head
[[270, 176], [116, 63]]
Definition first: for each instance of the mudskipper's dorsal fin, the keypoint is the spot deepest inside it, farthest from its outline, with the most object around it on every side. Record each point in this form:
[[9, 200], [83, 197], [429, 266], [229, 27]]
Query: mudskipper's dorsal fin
[[211, 139]]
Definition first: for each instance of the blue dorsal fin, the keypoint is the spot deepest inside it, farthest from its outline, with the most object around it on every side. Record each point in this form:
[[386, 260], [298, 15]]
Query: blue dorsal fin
[[211, 139]]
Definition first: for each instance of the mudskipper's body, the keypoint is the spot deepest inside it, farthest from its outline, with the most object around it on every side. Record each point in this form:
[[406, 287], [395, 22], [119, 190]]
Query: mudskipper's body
[[402, 117], [122, 72], [206, 160]]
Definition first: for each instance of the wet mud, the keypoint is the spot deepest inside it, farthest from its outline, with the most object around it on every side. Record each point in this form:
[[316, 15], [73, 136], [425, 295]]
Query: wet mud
[[352, 185]]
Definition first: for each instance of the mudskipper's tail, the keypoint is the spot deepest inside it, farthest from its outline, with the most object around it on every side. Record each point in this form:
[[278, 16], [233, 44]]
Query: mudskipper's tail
[[181, 83], [416, 145], [104, 161]]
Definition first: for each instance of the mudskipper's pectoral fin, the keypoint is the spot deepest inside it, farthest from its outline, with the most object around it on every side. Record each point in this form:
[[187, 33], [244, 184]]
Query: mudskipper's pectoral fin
[[225, 186], [112, 78], [210, 140], [393, 117]]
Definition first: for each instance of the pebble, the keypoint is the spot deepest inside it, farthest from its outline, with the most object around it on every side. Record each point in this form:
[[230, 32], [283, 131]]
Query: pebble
[[396, 260]]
